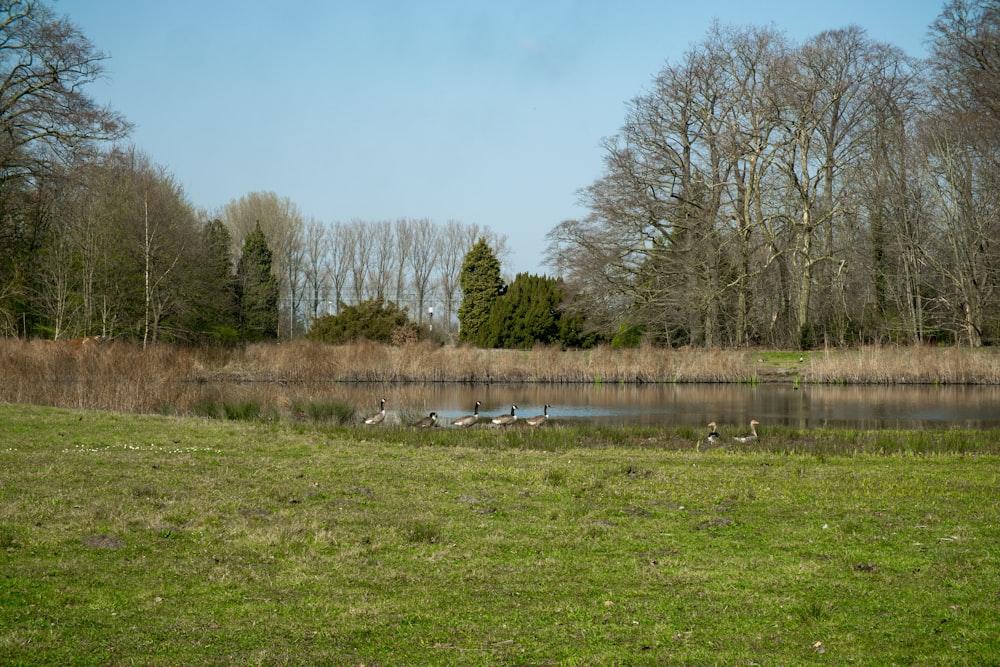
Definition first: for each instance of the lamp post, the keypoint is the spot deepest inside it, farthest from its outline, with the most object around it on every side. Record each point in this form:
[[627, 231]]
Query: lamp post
[[430, 318]]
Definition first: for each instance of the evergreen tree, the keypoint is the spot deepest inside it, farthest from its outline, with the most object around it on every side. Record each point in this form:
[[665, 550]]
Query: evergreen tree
[[526, 314], [257, 289], [216, 303], [481, 286], [530, 313]]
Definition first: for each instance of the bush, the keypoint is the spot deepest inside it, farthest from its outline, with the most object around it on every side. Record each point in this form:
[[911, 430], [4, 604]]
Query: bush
[[370, 320]]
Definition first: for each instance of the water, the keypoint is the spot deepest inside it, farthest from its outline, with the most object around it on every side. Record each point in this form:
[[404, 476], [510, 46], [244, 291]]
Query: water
[[731, 405]]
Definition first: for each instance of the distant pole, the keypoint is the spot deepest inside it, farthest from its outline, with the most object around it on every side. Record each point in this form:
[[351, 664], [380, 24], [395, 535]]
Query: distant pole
[[430, 318]]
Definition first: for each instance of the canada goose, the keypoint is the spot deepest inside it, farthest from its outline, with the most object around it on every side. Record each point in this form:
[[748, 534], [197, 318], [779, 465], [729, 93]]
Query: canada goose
[[428, 421], [538, 420], [751, 436], [378, 416], [506, 420], [713, 435], [467, 420]]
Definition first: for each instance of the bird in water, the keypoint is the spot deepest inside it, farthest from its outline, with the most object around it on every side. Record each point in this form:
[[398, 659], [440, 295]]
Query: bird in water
[[378, 416], [751, 436], [467, 420], [538, 420], [506, 420], [427, 422], [713, 435]]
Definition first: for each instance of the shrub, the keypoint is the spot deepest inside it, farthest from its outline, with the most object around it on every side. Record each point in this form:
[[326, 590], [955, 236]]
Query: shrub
[[374, 320]]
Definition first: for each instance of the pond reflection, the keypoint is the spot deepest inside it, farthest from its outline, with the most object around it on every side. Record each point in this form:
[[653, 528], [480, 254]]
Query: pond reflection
[[807, 406]]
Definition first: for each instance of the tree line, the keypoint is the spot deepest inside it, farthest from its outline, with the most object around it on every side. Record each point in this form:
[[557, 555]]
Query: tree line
[[787, 194], [762, 192], [96, 239]]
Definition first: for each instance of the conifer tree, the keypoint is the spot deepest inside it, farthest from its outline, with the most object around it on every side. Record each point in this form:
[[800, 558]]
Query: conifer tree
[[216, 299], [258, 289], [481, 286], [530, 312]]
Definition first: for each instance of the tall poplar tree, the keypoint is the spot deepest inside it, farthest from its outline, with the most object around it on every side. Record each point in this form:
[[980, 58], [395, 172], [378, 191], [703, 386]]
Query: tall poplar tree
[[258, 289], [481, 286]]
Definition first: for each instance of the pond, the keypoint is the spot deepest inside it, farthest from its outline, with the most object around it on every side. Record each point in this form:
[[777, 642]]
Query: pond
[[732, 405]]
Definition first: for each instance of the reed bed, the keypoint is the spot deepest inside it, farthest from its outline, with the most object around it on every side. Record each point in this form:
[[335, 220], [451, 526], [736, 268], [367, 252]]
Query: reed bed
[[909, 365], [427, 362], [119, 377], [126, 377]]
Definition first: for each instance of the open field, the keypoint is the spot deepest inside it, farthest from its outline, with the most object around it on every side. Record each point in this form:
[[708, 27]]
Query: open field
[[144, 539]]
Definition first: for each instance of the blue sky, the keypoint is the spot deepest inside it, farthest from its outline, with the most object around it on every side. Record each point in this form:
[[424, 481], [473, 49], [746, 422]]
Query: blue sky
[[488, 112]]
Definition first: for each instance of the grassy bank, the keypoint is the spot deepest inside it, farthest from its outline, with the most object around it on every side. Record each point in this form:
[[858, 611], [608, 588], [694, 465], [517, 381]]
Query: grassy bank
[[168, 541], [126, 378]]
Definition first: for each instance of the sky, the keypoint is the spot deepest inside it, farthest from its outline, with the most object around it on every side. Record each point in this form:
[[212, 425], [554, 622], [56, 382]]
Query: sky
[[488, 112]]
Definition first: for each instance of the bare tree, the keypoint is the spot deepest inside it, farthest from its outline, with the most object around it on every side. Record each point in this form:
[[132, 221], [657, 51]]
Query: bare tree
[[423, 260], [967, 187], [358, 243], [340, 257], [383, 246], [56, 285], [125, 231], [888, 257], [162, 225], [732, 192], [962, 147], [45, 117], [594, 260], [46, 121], [316, 267], [654, 223], [402, 229]]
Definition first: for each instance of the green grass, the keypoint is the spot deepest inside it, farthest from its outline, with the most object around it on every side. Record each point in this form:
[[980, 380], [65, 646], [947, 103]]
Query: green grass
[[174, 541]]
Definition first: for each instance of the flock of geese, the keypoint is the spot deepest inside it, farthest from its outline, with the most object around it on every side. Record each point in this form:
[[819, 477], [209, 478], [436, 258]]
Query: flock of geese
[[467, 420], [537, 420]]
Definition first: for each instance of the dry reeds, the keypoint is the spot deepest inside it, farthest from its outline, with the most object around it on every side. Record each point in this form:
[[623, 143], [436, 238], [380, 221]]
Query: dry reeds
[[909, 365], [128, 378], [116, 376]]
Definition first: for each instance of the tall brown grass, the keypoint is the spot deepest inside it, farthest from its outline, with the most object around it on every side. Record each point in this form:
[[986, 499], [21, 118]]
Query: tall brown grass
[[427, 362], [907, 365], [127, 378], [120, 377]]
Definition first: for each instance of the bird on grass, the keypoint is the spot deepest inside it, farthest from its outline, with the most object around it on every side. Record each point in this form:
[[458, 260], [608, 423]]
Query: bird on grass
[[467, 420], [378, 417], [713, 435], [538, 420], [751, 436], [506, 420], [427, 422]]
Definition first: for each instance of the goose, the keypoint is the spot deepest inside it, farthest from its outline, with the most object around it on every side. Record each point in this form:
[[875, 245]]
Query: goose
[[506, 420], [467, 420], [378, 416], [538, 420], [713, 435], [428, 421], [751, 436]]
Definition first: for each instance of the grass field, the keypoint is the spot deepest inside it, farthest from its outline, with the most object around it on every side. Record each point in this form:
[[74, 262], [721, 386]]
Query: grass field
[[151, 540]]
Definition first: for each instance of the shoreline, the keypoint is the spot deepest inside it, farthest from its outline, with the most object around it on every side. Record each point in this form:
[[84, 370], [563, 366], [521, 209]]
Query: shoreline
[[129, 378]]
